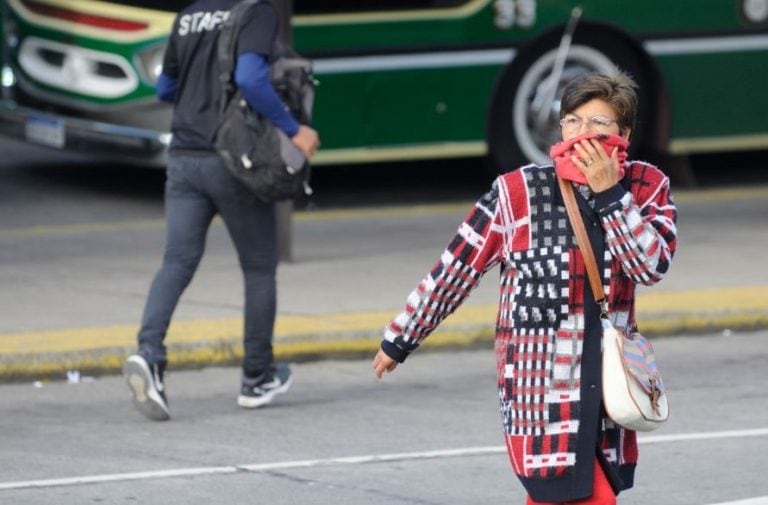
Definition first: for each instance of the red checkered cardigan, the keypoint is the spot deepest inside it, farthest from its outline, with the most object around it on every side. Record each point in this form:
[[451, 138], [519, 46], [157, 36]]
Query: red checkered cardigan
[[547, 331]]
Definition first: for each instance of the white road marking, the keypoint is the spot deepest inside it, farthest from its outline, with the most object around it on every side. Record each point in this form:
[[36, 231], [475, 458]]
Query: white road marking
[[760, 500], [356, 460], [710, 435]]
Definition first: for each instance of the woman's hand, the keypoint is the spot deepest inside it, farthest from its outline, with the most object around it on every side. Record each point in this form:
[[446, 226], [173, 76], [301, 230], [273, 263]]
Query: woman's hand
[[600, 169], [383, 363]]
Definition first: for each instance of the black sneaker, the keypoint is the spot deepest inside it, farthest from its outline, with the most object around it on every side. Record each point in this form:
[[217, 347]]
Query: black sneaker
[[146, 384], [263, 389]]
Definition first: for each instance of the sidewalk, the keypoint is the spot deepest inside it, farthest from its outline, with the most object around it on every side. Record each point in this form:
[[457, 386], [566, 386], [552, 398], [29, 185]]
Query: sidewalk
[[357, 287]]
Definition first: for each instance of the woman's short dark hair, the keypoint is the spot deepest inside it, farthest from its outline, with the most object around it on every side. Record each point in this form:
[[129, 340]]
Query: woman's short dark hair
[[618, 89]]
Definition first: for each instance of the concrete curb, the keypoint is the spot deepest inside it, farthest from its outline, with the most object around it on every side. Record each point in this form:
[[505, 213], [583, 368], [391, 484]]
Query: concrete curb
[[48, 352], [48, 355], [54, 365]]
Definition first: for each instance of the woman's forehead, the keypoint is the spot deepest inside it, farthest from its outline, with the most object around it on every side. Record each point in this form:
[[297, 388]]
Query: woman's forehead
[[594, 107]]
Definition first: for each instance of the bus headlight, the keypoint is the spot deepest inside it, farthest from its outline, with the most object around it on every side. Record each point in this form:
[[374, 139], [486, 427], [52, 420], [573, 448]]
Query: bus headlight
[[149, 62], [7, 78]]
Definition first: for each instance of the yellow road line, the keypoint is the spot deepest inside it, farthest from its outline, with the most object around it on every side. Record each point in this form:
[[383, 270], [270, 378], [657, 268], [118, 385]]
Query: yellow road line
[[287, 328], [78, 228], [299, 216], [728, 300], [746, 302], [720, 195], [718, 144], [42, 355], [689, 196], [438, 150]]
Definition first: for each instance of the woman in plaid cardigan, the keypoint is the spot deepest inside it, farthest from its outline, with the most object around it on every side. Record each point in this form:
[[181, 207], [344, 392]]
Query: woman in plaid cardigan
[[561, 445]]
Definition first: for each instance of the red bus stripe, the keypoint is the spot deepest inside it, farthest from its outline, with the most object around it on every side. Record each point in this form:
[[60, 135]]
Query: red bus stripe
[[84, 19]]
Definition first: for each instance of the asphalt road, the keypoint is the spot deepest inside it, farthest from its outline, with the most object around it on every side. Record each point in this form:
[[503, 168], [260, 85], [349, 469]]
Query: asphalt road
[[80, 241], [427, 434]]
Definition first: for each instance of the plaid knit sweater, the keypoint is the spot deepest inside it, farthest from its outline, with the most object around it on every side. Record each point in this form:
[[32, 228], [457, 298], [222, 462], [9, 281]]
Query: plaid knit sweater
[[548, 334]]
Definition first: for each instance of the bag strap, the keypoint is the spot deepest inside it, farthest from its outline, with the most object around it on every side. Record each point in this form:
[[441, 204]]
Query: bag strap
[[226, 47], [577, 223]]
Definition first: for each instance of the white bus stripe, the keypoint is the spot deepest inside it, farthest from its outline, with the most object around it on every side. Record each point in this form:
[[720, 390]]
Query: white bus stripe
[[481, 57], [354, 64], [351, 460], [707, 45]]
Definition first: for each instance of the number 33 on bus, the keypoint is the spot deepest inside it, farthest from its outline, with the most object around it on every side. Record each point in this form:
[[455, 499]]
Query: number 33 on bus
[[409, 79]]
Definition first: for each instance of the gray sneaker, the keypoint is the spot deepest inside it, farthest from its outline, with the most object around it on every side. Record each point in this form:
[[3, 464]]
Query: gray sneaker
[[146, 384], [262, 390]]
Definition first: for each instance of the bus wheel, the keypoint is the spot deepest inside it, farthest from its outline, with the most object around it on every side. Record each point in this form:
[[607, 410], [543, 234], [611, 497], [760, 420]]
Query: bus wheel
[[523, 121]]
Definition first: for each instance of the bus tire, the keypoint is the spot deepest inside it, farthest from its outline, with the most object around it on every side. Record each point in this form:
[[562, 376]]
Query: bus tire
[[517, 134]]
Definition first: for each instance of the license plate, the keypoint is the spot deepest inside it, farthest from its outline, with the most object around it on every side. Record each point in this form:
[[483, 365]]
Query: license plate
[[46, 131]]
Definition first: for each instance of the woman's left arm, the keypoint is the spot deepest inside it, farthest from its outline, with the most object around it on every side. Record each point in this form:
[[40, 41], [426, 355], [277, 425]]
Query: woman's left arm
[[640, 224]]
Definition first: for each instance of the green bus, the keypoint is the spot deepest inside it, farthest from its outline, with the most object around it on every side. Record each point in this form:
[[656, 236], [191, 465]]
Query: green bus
[[407, 79]]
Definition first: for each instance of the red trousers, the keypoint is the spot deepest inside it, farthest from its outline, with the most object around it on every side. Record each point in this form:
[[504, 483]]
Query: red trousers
[[602, 493]]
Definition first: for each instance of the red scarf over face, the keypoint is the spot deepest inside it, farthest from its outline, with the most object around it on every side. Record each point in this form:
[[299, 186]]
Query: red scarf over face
[[562, 151]]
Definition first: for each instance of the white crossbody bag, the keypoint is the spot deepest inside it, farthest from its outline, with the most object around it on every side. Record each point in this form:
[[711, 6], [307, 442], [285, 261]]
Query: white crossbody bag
[[633, 392]]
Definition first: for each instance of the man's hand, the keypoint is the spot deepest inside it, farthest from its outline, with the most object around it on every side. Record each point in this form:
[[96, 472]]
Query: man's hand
[[383, 363], [307, 140]]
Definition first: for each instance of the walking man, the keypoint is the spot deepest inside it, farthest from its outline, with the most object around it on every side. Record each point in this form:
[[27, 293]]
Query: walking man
[[199, 186]]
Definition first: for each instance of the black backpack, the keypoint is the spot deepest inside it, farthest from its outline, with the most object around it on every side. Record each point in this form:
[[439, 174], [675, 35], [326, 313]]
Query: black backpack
[[255, 151]]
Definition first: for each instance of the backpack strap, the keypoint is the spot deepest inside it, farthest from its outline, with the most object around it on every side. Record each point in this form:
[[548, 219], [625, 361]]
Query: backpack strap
[[226, 48]]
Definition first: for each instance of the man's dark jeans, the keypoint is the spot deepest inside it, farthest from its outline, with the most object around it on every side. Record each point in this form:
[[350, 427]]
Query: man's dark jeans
[[198, 186]]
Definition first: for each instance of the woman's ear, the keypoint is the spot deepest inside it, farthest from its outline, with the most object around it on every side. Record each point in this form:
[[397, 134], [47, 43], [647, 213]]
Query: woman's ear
[[626, 134]]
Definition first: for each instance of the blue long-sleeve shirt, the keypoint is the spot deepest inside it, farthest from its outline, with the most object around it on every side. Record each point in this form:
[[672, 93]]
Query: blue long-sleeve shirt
[[252, 77], [167, 87]]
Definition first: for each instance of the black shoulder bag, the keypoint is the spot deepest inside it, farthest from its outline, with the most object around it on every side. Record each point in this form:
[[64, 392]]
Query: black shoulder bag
[[255, 151]]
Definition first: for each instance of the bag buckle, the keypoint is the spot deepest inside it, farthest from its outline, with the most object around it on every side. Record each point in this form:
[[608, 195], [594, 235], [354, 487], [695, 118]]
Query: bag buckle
[[655, 394], [603, 308]]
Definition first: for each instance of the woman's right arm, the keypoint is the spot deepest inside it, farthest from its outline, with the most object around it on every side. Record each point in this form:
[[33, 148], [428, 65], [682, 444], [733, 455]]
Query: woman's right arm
[[476, 248]]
